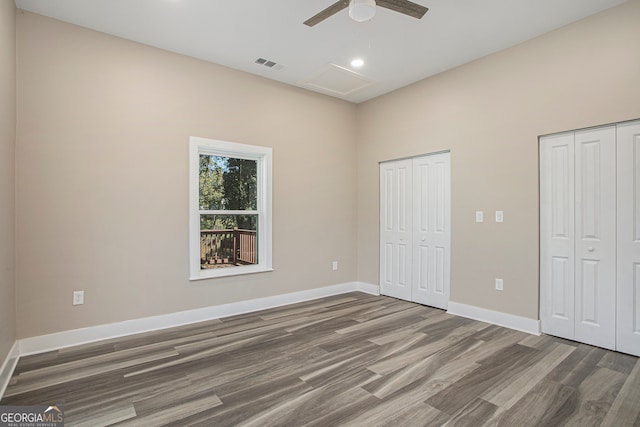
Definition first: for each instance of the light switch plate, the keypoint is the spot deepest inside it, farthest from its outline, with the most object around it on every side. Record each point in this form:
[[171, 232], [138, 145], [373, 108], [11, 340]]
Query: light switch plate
[[479, 216], [499, 216]]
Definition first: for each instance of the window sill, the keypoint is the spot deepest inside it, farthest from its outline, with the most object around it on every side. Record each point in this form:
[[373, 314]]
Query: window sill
[[229, 271]]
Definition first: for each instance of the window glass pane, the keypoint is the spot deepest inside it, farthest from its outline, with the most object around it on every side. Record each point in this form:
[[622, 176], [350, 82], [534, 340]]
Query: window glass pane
[[228, 240], [227, 183]]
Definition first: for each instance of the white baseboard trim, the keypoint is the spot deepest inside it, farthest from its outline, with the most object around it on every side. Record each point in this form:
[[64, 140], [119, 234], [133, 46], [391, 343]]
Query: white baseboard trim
[[8, 366], [55, 341], [524, 324], [368, 288]]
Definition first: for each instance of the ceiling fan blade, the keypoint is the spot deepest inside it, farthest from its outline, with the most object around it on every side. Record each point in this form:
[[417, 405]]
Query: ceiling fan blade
[[404, 6], [330, 11]]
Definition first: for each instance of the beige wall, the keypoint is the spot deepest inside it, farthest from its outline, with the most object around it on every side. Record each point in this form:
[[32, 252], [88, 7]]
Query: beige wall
[[7, 182], [102, 178], [489, 113]]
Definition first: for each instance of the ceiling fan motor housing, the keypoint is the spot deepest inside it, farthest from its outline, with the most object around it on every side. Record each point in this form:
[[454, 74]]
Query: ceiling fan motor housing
[[362, 10]]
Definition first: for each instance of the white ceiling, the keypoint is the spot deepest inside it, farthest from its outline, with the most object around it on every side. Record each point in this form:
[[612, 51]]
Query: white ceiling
[[398, 50]]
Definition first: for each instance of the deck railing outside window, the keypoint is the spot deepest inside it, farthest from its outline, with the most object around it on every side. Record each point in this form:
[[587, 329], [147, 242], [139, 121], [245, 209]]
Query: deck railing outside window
[[226, 248]]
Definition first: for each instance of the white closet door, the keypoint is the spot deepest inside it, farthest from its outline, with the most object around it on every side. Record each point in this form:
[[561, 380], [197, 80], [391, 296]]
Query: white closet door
[[595, 197], [557, 235], [395, 229], [432, 234], [628, 312]]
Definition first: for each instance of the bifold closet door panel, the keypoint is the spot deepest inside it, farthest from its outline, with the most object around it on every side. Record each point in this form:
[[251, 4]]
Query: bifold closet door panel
[[396, 229], [595, 236], [597, 257], [432, 233], [557, 223], [628, 310]]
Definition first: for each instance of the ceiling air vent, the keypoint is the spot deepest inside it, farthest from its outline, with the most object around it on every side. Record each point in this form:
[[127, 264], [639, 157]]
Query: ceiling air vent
[[269, 64]]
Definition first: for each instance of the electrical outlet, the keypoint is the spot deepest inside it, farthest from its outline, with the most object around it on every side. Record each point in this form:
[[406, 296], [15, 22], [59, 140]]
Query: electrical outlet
[[335, 265], [499, 285], [499, 216], [479, 216], [78, 297]]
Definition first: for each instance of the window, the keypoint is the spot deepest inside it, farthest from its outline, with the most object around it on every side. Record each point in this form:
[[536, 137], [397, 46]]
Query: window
[[229, 208]]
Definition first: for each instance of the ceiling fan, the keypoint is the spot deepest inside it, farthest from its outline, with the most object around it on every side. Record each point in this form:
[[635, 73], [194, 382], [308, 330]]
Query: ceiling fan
[[363, 10]]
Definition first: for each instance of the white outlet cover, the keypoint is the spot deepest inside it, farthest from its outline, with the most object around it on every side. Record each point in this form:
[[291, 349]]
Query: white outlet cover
[[78, 297], [499, 216], [479, 216], [499, 285]]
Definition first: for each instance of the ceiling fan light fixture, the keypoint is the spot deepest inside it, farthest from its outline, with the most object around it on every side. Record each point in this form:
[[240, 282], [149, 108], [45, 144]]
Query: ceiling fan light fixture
[[362, 10]]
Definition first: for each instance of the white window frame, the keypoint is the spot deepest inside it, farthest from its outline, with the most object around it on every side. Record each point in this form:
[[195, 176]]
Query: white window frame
[[263, 157]]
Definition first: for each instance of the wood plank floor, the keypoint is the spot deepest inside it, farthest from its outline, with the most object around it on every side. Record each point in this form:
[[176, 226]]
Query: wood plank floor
[[352, 359]]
